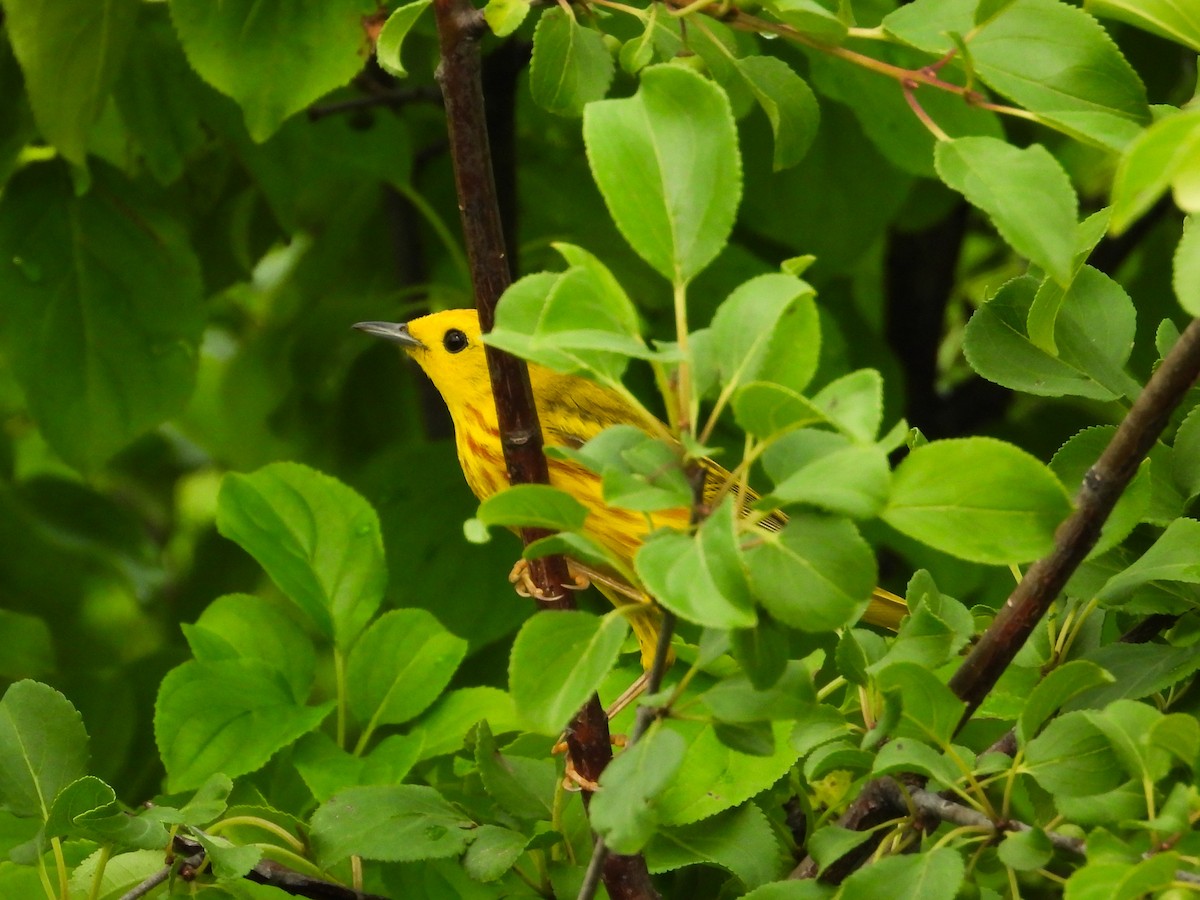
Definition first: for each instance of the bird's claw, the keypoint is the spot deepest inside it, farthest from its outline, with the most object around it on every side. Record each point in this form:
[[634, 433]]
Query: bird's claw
[[522, 581]]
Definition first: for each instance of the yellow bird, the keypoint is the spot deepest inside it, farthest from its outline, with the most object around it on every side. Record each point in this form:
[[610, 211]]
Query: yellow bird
[[448, 347]]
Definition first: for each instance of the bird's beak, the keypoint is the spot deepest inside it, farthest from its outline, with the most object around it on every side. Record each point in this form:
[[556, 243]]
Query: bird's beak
[[397, 332]]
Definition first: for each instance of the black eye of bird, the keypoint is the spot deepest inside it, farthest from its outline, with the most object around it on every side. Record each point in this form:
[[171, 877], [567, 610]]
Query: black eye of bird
[[454, 340]]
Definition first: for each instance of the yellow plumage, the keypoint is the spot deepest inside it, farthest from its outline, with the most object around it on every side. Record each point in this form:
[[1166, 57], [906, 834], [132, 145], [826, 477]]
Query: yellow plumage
[[572, 411]]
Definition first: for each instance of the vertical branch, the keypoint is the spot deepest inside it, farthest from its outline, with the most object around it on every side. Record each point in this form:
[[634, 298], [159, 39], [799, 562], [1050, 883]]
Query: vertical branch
[[460, 26]]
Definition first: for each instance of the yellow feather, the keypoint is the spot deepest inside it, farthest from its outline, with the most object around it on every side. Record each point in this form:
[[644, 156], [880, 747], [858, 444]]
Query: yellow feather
[[572, 411]]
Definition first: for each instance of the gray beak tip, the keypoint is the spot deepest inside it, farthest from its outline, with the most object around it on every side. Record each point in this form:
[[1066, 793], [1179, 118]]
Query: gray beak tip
[[396, 332]]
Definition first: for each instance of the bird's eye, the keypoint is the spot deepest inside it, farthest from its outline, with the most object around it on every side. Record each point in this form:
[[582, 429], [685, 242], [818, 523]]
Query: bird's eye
[[454, 341]]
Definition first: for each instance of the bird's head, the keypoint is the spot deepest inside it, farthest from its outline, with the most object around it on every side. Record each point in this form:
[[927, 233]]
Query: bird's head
[[449, 347]]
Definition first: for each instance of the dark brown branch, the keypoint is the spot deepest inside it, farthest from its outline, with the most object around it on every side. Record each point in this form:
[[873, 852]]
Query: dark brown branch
[[1075, 537], [460, 26]]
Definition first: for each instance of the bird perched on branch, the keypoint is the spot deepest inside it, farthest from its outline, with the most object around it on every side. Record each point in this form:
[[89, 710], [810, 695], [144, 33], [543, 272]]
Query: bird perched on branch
[[448, 347]]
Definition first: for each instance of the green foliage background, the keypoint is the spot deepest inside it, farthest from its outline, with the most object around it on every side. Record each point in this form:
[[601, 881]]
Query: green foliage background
[[199, 199]]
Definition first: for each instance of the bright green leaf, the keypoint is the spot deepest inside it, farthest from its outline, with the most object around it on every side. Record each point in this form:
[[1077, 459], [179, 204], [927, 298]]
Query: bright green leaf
[[43, 748], [393, 33], [666, 161], [571, 65], [393, 823], [399, 666], [624, 811], [317, 538], [558, 660], [978, 499], [789, 103]]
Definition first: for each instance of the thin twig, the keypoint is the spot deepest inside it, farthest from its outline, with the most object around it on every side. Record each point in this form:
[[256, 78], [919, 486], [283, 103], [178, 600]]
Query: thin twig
[[460, 27]]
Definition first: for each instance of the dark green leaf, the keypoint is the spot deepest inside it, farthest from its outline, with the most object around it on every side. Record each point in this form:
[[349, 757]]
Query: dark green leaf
[[1058, 687], [228, 716], [1138, 670], [523, 787], [740, 841], [788, 102], [1072, 758], [932, 875], [393, 823], [625, 810], [103, 310], [70, 54], [273, 60], [1026, 850], [1170, 558], [930, 712], [493, 852]]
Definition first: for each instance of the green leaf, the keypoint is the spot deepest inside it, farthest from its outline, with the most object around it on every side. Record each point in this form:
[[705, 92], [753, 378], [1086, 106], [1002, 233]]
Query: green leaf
[[505, 16], [885, 115], [493, 851], [740, 841], [1080, 80], [829, 844], [1163, 156], [1025, 850], [1073, 758], [242, 626], [1093, 332], [228, 716], [392, 823], [816, 574], [399, 666], [638, 472], [929, 710], [1025, 193], [88, 808], [767, 410], [1170, 558], [714, 778], [789, 103], [580, 321], [907, 755], [229, 862], [70, 54], [522, 787], [700, 578], [327, 769], [736, 699], [827, 471], [273, 60], [43, 748], [1138, 670], [317, 538], [978, 499], [666, 161], [1173, 19], [854, 404], [624, 811], [535, 506], [1127, 724], [558, 660], [1186, 279], [810, 18], [571, 65], [767, 330], [1059, 686], [103, 310], [443, 728], [1071, 464], [395, 30], [762, 651], [1185, 456], [26, 647], [1123, 880], [934, 874]]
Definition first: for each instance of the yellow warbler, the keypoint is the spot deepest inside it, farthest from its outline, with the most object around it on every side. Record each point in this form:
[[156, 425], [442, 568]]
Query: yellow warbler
[[572, 410]]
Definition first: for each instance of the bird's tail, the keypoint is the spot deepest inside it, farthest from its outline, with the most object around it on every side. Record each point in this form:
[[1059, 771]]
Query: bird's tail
[[885, 610]]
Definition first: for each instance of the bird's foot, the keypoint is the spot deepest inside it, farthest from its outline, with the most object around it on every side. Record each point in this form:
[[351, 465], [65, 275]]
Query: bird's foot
[[522, 581]]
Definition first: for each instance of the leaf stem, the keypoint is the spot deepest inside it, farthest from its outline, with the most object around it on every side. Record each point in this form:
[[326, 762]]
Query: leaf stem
[[98, 875], [339, 675]]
